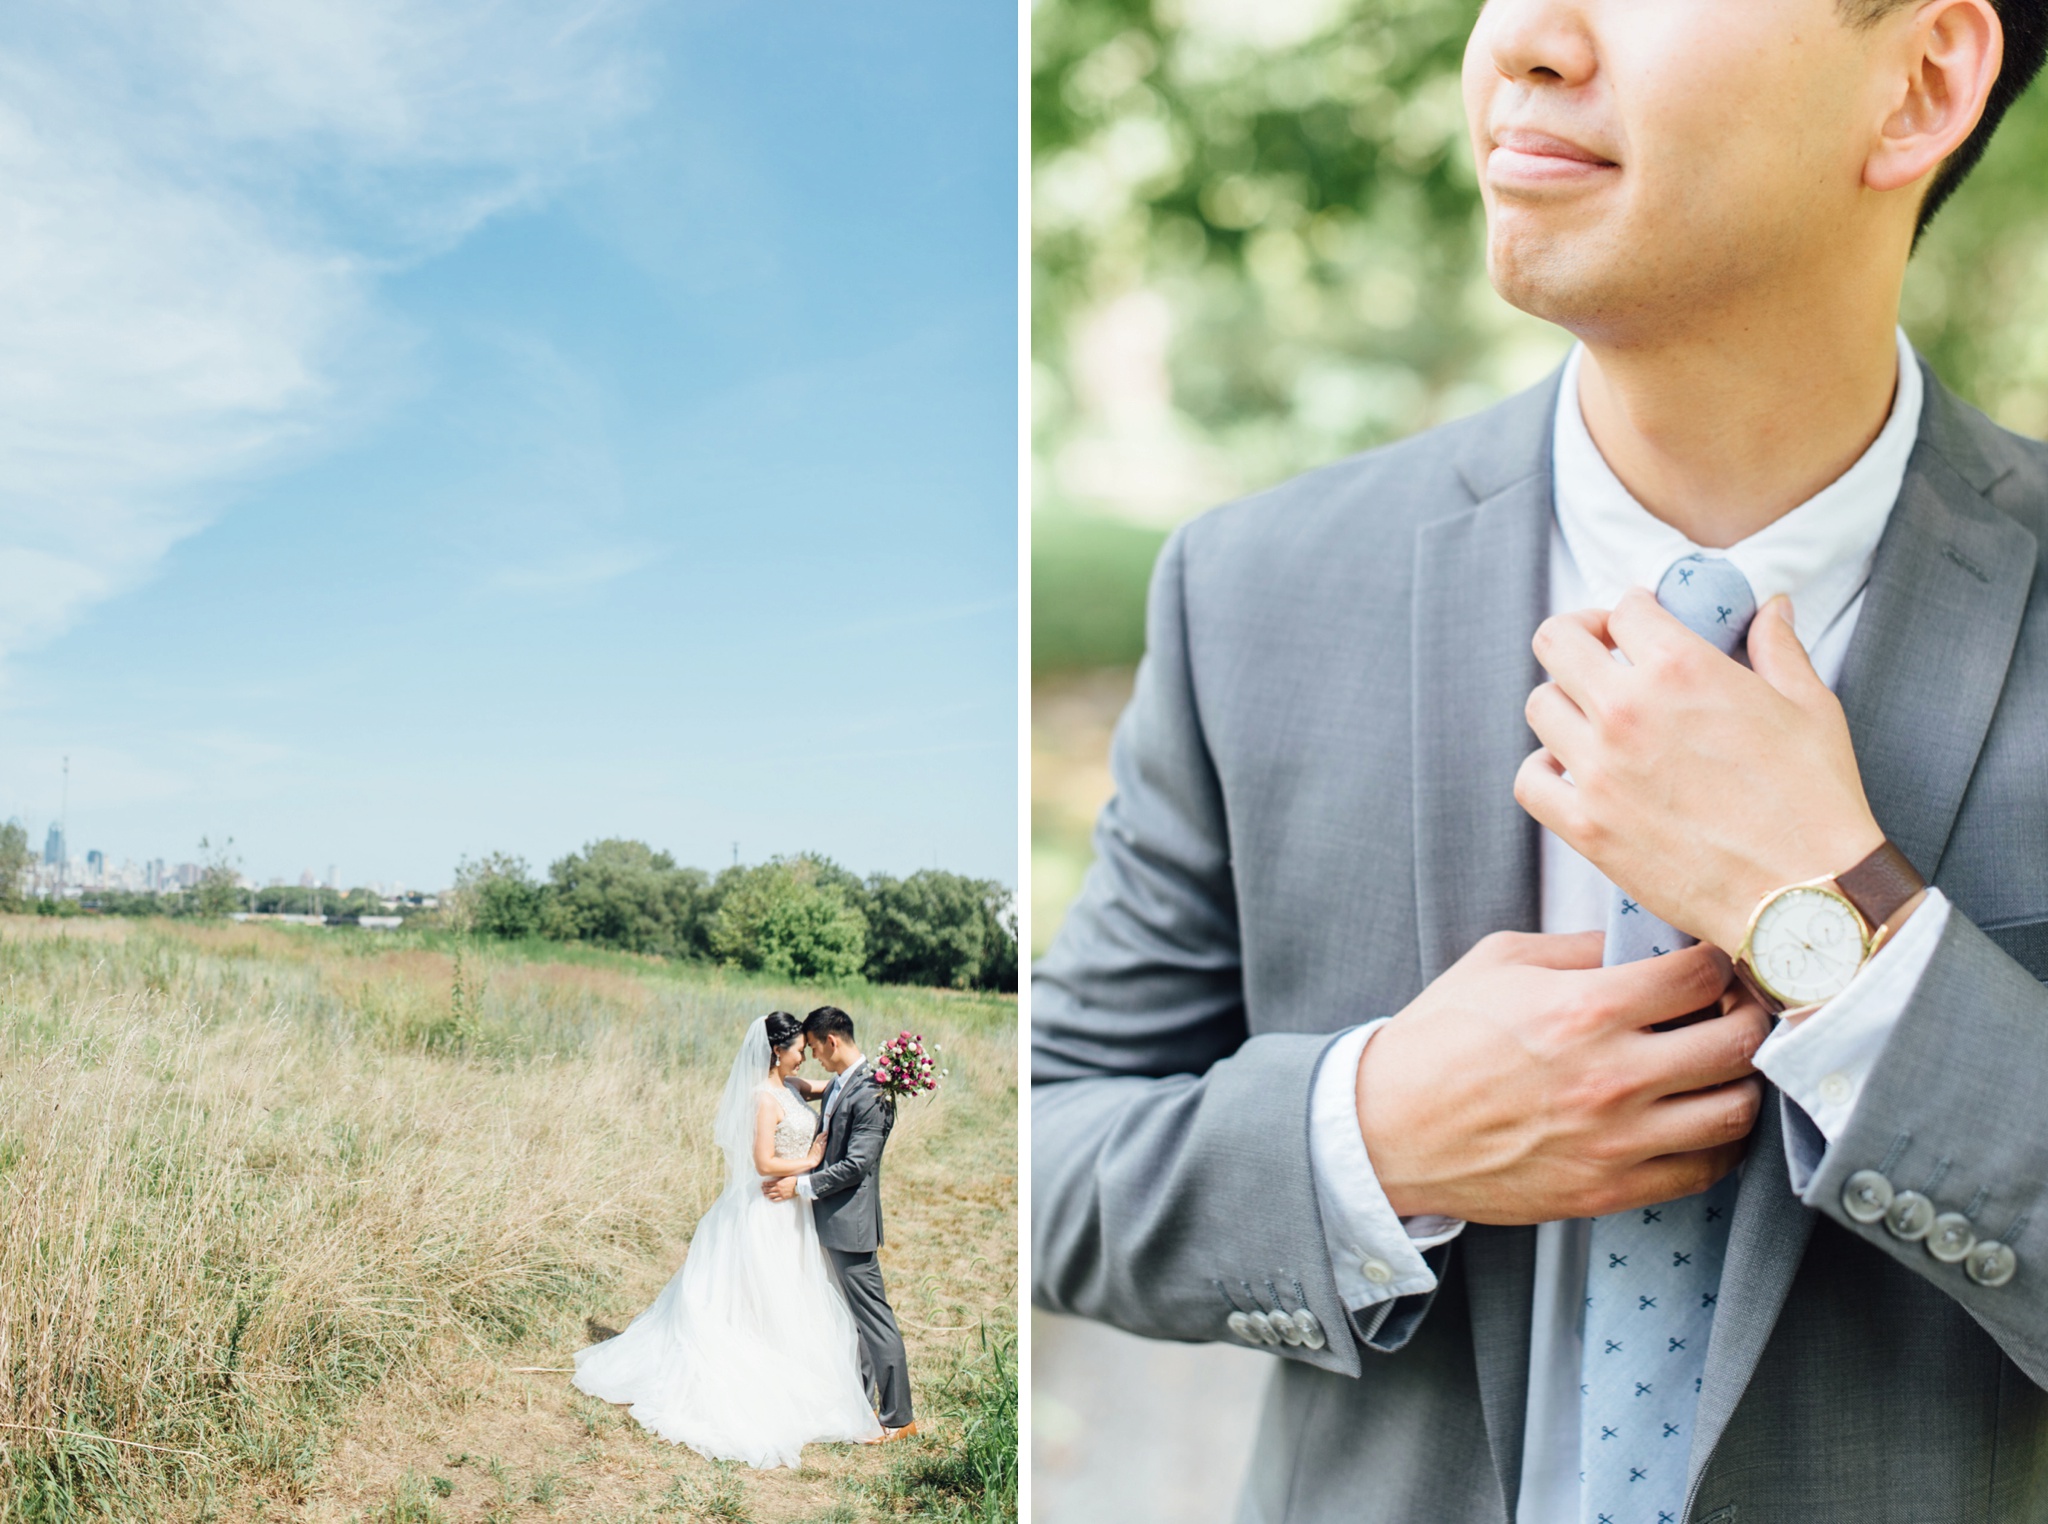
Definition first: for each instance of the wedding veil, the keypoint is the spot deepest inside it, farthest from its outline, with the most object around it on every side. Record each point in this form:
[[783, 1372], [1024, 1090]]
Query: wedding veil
[[733, 1129]]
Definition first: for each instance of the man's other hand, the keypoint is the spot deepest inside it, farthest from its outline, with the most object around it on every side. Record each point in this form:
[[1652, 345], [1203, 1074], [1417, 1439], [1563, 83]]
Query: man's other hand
[[1697, 784], [780, 1189], [1526, 1085]]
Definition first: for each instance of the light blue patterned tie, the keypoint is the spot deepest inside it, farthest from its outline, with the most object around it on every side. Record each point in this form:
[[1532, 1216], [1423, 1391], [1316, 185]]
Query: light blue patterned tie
[[1653, 1274]]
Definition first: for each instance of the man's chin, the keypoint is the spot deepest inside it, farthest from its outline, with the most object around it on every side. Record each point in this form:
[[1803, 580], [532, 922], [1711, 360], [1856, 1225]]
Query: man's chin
[[1553, 278]]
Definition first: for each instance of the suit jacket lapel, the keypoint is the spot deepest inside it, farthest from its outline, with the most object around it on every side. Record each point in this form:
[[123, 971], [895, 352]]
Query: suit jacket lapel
[[835, 1136], [1946, 596], [1766, 1239], [1481, 588]]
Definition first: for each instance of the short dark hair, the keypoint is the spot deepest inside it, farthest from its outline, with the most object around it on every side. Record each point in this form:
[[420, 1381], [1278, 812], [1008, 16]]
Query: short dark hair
[[783, 1029], [829, 1021], [2025, 23]]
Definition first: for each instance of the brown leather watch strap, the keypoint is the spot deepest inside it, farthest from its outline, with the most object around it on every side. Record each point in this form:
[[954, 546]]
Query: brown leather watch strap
[[1880, 884], [1757, 992]]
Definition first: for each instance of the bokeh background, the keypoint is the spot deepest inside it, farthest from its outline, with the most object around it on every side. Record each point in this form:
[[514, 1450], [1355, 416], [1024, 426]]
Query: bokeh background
[[1256, 247]]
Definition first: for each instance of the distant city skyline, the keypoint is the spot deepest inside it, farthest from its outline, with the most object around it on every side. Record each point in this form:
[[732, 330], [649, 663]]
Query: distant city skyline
[[466, 429], [122, 869]]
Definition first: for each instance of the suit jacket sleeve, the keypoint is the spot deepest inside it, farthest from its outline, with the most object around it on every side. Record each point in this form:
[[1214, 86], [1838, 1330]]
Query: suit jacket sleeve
[[869, 1116], [1171, 1176], [1954, 1110]]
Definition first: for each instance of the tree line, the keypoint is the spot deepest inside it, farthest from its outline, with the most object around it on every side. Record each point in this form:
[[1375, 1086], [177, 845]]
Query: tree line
[[802, 917]]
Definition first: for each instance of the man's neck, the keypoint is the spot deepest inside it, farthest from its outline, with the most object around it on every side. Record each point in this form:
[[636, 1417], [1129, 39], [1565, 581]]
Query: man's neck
[[853, 1063], [1723, 434]]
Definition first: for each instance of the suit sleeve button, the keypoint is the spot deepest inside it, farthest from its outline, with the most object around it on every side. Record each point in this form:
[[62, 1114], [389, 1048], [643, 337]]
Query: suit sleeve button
[[1909, 1216], [1951, 1237], [1866, 1195], [1311, 1328], [1242, 1327], [1991, 1263]]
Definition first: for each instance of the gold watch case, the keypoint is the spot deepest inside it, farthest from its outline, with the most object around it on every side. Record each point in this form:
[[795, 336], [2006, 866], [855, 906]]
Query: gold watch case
[[1792, 992]]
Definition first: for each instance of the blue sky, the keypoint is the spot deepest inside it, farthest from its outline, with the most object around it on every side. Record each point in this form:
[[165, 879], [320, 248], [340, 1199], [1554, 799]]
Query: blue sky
[[439, 426]]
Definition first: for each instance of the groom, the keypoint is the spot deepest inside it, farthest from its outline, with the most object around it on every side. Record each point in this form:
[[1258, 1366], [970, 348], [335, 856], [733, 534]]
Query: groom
[[846, 1192], [1332, 807]]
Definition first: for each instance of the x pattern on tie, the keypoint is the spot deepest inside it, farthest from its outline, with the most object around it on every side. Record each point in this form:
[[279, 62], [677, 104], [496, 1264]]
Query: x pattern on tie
[[1653, 1274]]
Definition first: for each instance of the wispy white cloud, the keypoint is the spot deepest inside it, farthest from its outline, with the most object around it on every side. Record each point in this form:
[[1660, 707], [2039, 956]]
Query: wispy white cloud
[[200, 198]]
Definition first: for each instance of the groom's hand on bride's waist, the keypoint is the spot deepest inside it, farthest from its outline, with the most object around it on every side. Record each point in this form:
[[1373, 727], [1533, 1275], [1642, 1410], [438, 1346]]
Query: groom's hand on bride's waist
[[1525, 1085], [779, 1189]]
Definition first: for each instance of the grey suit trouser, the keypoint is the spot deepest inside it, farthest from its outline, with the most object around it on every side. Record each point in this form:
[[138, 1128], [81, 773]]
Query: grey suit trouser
[[884, 1363]]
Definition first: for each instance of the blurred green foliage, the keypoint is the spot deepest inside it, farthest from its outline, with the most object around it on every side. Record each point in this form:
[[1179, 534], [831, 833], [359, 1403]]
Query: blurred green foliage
[[1258, 246], [1088, 578]]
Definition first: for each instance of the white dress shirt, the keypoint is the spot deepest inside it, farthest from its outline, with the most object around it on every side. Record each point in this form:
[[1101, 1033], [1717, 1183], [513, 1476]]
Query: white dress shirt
[[1602, 543], [832, 1093]]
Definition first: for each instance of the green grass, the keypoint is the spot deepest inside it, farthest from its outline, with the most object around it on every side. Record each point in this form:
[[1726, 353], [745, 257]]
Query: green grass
[[722, 1500], [969, 1476]]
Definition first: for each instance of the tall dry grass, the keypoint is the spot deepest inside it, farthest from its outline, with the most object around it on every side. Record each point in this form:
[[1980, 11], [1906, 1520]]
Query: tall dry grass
[[245, 1174]]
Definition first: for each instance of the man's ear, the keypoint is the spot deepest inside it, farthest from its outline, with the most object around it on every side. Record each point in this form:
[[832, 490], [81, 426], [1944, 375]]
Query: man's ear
[[1946, 56]]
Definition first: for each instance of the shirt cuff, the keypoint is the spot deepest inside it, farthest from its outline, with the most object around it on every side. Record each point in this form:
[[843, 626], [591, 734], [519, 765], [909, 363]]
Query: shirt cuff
[[1823, 1062], [803, 1187], [1376, 1256]]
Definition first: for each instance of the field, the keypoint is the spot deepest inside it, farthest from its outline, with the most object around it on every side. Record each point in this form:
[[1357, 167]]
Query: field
[[307, 1224]]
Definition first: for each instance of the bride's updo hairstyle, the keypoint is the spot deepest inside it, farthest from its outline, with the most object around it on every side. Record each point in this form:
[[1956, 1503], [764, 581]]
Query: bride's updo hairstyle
[[783, 1029]]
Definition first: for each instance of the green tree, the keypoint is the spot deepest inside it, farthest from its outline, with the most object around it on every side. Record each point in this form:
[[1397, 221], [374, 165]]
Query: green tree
[[792, 917], [15, 860], [625, 894], [220, 882], [497, 896], [999, 941], [931, 928]]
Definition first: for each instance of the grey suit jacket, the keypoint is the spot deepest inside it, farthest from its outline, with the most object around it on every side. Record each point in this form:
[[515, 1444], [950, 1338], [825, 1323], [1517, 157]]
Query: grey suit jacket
[[1314, 817], [847, 1187]]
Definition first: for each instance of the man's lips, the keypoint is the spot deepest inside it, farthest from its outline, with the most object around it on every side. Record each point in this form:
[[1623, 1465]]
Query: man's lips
[[1524, 154]]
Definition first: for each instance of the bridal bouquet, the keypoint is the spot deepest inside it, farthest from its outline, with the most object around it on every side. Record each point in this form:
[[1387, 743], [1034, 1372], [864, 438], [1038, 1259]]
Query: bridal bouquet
[[904, 1069]]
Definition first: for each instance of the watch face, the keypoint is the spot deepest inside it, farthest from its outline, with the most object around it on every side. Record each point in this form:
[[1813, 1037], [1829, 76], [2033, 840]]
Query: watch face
[[1806, 946]]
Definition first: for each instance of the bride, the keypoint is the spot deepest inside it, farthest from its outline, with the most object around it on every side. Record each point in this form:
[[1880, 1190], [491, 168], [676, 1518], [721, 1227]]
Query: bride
[[749, 1353]]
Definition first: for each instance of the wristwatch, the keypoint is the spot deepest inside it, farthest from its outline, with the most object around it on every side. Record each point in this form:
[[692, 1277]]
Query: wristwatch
[[1805, 942]]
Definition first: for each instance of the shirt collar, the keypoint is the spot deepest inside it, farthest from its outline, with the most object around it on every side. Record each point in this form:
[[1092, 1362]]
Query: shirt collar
[[1819, 554], [847, 1073]]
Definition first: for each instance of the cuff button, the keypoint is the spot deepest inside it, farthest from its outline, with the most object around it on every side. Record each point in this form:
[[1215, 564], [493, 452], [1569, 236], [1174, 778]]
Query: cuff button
[[1991, 1263], [1866, 1195], [1378, 1271], [1909, 1216], [1951, 1237]]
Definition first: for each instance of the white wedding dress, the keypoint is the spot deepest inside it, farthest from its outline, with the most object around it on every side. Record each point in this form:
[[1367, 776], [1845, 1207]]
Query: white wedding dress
[[749, 1353]]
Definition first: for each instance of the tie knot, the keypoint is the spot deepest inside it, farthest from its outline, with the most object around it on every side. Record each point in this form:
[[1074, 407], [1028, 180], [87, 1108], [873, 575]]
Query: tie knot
[[1710, 596]]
